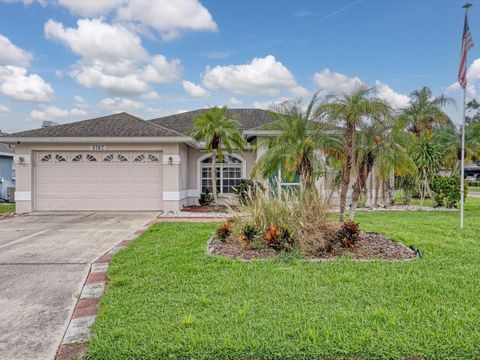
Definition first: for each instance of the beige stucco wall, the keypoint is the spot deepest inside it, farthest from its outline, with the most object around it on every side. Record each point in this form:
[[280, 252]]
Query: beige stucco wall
[[174, 170], [194, 188]]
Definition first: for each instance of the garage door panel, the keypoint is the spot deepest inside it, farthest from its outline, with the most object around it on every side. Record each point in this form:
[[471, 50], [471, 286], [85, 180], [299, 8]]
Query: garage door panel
[[95, 186]]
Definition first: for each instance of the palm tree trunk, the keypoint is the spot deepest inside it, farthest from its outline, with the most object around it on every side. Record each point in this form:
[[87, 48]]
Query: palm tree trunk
[[214, 176], [360, 184], [348, 150], [377, 190]]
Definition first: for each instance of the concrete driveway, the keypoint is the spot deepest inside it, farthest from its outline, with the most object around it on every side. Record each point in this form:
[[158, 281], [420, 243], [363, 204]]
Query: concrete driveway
[[44, 260]]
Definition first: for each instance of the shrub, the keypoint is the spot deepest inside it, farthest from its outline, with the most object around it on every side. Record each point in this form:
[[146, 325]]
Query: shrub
[[206, 198], [349, 233], [280, 240], [408, 187], [447, 190], [224, 231], [248, 234], [247, 190]]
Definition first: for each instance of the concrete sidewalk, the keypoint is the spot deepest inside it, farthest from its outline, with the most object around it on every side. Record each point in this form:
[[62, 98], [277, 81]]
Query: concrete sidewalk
[[44, 260]]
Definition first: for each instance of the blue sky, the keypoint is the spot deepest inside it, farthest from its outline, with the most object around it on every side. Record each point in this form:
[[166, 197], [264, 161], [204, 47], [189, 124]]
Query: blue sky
[[67, 60]]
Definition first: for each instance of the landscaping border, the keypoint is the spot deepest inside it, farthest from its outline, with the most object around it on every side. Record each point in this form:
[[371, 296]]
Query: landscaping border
[[78, 332]]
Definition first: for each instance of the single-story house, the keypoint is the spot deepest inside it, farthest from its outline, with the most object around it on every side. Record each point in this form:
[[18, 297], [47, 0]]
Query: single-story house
[[122, 162], [7, 170]]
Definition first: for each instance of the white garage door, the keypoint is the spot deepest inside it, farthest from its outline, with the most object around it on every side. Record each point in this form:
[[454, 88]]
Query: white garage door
[[98, 181]]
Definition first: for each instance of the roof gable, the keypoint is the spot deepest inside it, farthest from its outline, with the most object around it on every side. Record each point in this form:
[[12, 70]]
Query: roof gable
[[183, 123], [117, 125]]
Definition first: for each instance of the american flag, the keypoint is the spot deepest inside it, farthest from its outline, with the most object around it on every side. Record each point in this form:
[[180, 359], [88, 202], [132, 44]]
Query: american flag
[[467, 44]]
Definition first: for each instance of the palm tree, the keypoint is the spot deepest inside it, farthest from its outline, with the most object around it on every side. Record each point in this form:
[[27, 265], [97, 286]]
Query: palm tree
[[219, 131], [352, 109], [427, 156], [449, 140], [300, 144], [381, 147], [425, 113]]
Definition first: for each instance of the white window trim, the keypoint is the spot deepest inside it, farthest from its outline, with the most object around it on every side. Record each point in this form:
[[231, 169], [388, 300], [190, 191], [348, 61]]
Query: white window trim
[[206, 156]]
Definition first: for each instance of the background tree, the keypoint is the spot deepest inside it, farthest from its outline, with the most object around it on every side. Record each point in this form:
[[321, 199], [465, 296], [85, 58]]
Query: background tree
[[427, 156], [424, 113], [350, 110], [300, 145], [473, 112], [381, 148], [450, 142], [219, 132]]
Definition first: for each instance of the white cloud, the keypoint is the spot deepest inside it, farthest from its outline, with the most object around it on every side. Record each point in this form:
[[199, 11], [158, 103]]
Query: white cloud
[[396, 100], [96, 40], [170, 18], [157, 112], [13, 55], [473, 77], [80, 102], [262, 76], [269, 104], [112, 58], [90, 7], [26, 2], [161, 70], [17, 84], [120, 104], [233, 101], [59, 74], [4, 109], [151, 95], [194, 90], [53, 113], [334, 81], [96, 77]]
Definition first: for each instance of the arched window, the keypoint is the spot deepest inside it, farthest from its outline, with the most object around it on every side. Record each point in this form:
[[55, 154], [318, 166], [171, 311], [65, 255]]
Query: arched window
[[229, 174]]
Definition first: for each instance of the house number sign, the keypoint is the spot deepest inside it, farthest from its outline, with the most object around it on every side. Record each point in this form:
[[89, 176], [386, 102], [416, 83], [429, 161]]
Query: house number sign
[[98, 147]]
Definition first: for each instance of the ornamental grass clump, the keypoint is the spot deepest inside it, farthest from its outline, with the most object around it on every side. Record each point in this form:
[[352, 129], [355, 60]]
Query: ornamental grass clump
[[291, 221]]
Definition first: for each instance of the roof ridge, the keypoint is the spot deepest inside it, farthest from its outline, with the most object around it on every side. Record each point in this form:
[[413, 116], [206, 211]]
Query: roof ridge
[[154, 125], [205, 109]]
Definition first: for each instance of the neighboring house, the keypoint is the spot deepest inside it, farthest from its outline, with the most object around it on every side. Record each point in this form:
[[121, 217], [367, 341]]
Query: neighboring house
[[7, 171], [121, 162]]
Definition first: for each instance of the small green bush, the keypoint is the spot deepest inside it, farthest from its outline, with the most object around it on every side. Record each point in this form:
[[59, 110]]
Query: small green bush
[[206, 198], [447, 190], [247, 190], [249, 232]]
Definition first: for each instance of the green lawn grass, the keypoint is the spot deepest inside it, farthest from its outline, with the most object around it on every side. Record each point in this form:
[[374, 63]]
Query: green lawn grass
[[167, 299], [7, 208]]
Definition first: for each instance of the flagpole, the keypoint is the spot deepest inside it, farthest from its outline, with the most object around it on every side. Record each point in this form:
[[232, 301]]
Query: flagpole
[[462, 176]]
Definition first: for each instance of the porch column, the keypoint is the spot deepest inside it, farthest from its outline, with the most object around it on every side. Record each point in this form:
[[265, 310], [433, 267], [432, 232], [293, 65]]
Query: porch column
[[24, 179]]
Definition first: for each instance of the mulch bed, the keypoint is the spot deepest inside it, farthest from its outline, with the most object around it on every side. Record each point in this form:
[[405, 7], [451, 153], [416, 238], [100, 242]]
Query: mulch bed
[[370, 246]]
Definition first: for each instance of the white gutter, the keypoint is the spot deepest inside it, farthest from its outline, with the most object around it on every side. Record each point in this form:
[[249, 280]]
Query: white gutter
[[261, 132], [95, 139], [6, 154]]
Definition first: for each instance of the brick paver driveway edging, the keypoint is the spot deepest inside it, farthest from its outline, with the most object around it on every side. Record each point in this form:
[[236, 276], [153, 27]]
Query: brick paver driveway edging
[[79, 328]]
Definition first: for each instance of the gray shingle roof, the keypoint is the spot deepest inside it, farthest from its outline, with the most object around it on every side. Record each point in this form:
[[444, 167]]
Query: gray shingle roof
[[183, 122], [117, 125]]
